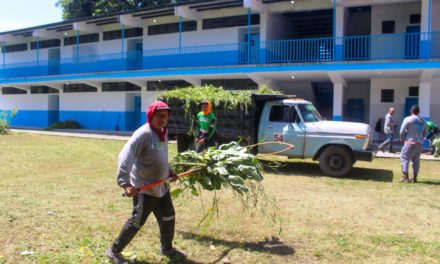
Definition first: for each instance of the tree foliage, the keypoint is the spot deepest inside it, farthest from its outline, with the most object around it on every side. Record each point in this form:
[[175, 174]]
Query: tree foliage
[[85, 8]]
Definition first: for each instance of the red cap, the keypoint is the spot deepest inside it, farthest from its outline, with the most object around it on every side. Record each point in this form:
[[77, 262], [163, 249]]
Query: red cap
[[156, 105]]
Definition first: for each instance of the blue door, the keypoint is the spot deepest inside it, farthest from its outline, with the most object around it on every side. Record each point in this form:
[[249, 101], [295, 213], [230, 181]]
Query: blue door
[[412, 42], [54, 62], [137, 112], [355, 110], [250, 49], [409, 102]]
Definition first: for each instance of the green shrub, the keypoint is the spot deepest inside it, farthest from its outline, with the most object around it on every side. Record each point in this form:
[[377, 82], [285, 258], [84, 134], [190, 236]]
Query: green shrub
[[68, 124], [5, 120]]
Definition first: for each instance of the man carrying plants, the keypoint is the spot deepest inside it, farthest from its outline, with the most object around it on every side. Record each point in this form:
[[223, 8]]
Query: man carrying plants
[[206, 126], [142, 161]]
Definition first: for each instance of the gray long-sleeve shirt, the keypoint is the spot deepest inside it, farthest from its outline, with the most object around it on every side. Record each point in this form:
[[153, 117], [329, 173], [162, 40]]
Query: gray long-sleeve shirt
[[389, 124], [144, 160], [412, 130]]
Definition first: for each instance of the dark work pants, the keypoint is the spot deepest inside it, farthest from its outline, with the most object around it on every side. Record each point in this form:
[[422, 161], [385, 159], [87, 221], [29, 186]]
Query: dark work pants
[[143, 205]]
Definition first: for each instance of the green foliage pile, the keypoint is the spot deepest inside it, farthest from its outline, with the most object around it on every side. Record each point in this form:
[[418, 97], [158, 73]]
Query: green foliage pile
[[230, 167], [190, 97], [5, 119], [68, 124]]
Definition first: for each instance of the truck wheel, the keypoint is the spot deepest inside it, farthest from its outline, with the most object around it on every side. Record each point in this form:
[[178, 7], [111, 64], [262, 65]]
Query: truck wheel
[[335, 161], [183, 142]]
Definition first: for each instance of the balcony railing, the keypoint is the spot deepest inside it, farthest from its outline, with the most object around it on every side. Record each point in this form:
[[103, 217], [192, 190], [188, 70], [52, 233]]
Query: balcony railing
[[405, 46]]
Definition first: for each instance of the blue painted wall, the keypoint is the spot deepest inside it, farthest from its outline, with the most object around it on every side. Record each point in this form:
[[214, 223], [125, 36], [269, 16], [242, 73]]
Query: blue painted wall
[[34, 118], [110, 121], [104, 120]]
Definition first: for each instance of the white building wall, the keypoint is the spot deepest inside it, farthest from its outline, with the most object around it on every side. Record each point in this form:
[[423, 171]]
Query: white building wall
[[435, 101], [359, 90], [299, 88], [397, 12], [400, 87], [24, 102], [102, 101], [435, 19], [386, 45]]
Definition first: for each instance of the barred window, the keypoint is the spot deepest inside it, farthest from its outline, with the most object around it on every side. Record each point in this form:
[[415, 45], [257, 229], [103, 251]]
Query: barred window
[[82, 39]]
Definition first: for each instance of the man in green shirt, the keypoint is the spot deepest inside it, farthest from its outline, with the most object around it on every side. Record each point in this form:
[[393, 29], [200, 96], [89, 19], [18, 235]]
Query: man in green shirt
[[206, 126]]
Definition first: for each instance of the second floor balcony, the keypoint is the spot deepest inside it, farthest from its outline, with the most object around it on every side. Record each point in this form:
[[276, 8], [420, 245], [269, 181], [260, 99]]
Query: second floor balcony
[[405, 46]]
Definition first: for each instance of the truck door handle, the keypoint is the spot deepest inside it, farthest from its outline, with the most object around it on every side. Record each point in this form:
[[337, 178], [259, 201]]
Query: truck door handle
[[270, 127]]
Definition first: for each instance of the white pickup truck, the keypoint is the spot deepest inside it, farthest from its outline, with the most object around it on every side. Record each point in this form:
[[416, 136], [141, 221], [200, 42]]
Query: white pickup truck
[[337, 145]]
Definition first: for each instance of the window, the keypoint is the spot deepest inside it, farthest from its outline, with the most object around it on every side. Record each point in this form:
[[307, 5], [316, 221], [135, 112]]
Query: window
[[413, 91], [172, 28], [128, 33], [166, 85], [282, 114], [43, 90], [387, 96], [46, 44], [232, 21], [414, 19], [119, 87], [15, 48], [82, 39], [388, 27], [12, 90], [78, 88], [309, 113]]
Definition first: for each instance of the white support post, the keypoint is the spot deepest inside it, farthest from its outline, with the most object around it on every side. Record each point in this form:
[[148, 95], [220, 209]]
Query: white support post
[[338, 95], [83, 26], [425, 28], [186, 12], [194, 81], [97, 85], [339, 29], [42, 33], [263, 81], [425, 93], [338, 98], [129, 20], [255, 6]]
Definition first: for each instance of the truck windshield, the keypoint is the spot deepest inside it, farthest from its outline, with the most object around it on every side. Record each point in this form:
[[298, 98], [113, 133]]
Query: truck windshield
[[309, 113]]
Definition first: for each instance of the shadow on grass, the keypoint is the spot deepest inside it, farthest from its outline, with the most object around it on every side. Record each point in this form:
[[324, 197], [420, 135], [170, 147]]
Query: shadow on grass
[[272, 246], [302, 168], [171, 260], [428, 182]]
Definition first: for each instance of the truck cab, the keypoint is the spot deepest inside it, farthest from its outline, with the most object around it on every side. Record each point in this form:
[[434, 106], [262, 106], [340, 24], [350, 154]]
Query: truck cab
[[336, 144]]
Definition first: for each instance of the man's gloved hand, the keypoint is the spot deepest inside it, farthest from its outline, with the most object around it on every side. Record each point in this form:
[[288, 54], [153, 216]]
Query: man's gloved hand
[[173, 176], [130, 191]]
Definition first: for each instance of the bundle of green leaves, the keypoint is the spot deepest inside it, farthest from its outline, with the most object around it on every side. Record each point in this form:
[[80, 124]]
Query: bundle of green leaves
[[230, 167], [221, 99]]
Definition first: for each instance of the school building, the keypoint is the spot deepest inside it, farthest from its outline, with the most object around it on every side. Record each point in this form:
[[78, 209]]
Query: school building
[[352, 58]]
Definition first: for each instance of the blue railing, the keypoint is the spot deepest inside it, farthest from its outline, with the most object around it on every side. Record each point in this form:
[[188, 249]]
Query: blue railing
[[405, 46]]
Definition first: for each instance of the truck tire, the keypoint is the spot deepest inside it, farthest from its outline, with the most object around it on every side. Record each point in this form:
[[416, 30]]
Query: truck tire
[[335, 161], [183, 142]]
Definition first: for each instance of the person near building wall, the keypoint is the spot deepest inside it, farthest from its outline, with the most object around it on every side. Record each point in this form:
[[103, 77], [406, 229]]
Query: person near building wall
[[411, 136], [389, 129]]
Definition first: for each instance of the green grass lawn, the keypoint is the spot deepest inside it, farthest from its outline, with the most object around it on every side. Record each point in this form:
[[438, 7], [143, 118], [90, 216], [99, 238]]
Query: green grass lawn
[[59, 199]]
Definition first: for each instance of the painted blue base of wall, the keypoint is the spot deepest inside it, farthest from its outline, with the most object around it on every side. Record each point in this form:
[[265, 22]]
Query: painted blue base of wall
[[34, 118], [105, 120], [337, 118]]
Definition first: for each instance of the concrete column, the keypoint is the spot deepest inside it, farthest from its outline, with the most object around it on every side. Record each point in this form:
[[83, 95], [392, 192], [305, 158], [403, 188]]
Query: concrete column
[[425, 28], [338, 101], [425, 99], [340, 15]]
